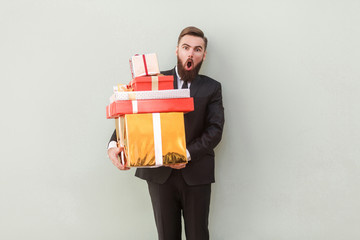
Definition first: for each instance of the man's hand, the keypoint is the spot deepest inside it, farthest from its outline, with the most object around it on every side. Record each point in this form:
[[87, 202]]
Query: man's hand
[[113, 154], [177, 166]]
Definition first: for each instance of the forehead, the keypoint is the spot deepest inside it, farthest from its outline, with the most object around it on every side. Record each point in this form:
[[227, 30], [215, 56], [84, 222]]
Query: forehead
[[192, 41]]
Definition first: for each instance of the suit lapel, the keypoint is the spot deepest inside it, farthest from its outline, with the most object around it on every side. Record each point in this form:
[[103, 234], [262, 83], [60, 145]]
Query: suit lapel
[[175, 78], [195, 85]]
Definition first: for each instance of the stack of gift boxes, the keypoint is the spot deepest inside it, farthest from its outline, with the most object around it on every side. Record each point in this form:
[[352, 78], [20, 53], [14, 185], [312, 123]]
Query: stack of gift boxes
[[149, 116]]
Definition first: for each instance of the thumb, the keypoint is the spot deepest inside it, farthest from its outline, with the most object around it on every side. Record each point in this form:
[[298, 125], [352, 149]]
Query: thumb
[[113, 151], [117, 150]]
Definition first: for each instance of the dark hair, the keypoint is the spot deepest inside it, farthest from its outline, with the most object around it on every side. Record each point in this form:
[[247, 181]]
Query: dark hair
[[193, 31]]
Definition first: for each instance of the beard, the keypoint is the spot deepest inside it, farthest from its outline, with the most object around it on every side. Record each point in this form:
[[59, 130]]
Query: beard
[[188, 75]]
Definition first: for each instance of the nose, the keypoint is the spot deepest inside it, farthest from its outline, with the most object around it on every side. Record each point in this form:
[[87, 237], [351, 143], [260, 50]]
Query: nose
[[191, 53]]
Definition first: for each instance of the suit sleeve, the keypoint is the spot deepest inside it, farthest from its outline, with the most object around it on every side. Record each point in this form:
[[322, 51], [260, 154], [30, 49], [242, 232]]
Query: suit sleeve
[[212, 132], [113, 137]]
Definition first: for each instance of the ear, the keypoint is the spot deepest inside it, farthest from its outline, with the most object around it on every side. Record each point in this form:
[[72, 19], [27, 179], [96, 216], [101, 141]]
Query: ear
[[176, 51]]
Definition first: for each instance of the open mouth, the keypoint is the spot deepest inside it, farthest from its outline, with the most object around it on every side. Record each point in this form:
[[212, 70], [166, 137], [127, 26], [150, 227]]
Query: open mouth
[[189, 64]]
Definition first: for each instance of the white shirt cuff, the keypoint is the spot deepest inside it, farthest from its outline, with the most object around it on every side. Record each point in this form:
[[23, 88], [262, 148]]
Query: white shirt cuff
[[188, 155], [112, 144]]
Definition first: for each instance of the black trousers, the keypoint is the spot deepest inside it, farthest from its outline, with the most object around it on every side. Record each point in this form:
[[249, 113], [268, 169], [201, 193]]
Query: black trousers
[[174, 197]]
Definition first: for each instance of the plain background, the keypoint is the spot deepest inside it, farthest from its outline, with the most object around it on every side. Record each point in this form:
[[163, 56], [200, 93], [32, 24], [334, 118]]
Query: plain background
[[288, 167]]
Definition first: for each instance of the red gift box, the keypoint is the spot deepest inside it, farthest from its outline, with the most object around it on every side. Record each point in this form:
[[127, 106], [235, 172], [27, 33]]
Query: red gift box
[[151, 83], [119, 108]]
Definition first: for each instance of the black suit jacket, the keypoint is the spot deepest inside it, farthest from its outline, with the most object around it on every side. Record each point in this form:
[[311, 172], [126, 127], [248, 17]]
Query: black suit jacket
[[203, 130]]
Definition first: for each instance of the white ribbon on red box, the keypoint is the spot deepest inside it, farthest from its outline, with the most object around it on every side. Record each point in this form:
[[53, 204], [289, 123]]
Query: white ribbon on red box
[[134, 104]]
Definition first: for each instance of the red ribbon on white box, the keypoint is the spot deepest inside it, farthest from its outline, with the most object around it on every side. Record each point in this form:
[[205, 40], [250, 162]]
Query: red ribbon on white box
[[145, 66]]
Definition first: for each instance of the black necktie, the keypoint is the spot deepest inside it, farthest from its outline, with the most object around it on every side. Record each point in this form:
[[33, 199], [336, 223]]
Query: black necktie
[[185, 85]]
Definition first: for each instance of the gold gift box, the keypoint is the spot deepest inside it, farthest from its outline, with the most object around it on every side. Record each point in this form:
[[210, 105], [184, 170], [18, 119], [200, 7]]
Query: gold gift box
[[154, 139]]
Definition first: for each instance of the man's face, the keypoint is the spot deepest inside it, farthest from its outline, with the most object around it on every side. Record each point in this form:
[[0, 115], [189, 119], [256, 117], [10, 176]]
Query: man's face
[[190, 53]]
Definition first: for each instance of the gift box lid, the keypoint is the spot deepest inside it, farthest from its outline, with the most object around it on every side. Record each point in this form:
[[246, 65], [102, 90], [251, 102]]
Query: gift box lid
[[151, 83], [119, 108], [148, 79]]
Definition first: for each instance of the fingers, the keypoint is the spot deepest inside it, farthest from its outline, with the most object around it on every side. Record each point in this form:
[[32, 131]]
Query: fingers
[[113, 154], [177, 166], [123, 167], [119, 165]]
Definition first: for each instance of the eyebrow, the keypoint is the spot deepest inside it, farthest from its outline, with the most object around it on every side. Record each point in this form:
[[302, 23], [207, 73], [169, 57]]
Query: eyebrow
[[185, 44]]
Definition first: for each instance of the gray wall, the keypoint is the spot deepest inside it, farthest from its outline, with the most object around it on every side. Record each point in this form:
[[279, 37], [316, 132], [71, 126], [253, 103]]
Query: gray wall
[[288, 166]]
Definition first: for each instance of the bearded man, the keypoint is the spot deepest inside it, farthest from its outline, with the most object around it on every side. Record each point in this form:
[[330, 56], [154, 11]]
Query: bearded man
[[185, 189]]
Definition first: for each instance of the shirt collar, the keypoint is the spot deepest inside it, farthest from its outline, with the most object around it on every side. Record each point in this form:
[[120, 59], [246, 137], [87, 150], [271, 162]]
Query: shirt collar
[[179, 80], [177, 74]]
